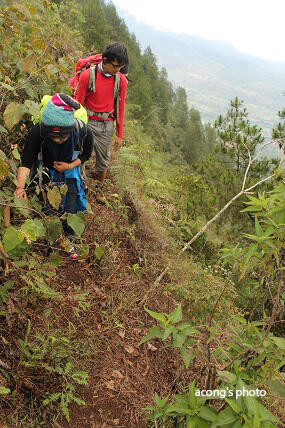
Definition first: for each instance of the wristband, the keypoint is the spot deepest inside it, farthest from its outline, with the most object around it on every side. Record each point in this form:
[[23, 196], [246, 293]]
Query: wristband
[[20, 188]]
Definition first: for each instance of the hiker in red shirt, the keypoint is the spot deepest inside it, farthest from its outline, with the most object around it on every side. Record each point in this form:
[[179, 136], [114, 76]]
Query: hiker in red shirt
[[105, 103]]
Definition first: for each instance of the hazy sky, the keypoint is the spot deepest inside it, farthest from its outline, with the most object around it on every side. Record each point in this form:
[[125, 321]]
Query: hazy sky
[[255, 27]]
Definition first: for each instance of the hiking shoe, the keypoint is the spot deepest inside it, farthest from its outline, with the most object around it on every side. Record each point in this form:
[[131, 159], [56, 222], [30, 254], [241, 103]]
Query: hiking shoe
[[72, 253], [99, 195]]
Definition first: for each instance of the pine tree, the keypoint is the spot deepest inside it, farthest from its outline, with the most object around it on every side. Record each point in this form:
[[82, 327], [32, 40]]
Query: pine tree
[[95, 31], [278, 133], [237, 136]]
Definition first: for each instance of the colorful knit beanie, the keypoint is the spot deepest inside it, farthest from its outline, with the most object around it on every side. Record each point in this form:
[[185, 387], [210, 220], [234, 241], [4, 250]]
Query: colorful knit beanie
[[58, 116]]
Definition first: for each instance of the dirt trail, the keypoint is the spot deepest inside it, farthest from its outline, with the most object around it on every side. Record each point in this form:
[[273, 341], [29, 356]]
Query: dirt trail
[[122, 377]]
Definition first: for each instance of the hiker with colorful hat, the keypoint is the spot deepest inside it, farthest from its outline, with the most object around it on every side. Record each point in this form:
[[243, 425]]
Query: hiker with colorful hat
[[100, 86], [58, 145]]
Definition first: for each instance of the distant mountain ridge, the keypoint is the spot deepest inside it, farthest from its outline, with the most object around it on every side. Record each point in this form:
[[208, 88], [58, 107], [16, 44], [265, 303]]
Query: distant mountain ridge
[[213, 72]]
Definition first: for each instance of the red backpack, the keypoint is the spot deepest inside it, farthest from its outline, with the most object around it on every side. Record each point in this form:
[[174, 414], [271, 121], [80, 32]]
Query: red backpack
[[83, 64], [92, 62]]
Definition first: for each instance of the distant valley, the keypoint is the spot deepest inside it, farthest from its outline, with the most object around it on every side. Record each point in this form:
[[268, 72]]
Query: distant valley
[[213, 73]]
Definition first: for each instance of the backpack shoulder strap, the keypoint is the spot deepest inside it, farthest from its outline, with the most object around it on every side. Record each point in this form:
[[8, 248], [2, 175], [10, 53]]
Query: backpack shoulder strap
[[117, 86], [82, 131], [117, 96], [41, 164], [42, 138], [92, 78]]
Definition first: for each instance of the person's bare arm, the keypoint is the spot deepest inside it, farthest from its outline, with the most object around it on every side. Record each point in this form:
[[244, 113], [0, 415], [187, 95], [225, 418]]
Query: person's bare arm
[[65, 166], [22, 175]]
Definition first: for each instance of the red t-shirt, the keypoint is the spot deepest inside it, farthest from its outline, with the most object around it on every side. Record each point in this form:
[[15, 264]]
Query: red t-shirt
[[103, 99]]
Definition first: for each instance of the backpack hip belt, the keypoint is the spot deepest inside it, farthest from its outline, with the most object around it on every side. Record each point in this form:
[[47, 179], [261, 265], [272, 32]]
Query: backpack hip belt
[[100, 115]]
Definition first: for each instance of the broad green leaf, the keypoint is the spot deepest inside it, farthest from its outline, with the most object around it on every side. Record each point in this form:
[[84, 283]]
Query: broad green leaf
[[196, 422], [251, 251], [279, 341], [153, 332], [99, 252], [54, 197], [191, 397], [39, 228], [4, 169], [32, 94], [50, 69], [187, 356], [77, 222], [188, 330], [13, 114], [54, 228], [6, 86], [161, 403], [209, 414], [157, 398], [167, 332], [178, 408], [176, 315], [240, 319], [33, 229], [234, 405], [256, 421], [29, 63], [225, 417], [3, 130], [227, 376], [23, 205], [277, 387], [10, 239], [264, 413], [180, 339], [34, 108], [180, 398], [16, 154], [158, 316], [237, 424]]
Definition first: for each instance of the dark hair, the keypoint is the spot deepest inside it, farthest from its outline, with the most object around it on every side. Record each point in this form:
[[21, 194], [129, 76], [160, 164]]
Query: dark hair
[[116, 51]]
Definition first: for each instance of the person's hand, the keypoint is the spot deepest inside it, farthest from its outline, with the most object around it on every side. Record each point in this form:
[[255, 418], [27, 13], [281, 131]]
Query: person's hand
[[118, 143], [61, 166], [20, 192]]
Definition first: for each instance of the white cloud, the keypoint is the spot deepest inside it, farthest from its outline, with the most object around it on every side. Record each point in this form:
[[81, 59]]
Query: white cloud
[[254, 27]]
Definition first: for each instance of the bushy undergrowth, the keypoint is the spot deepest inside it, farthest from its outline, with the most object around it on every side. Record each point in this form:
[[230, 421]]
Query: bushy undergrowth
[[177, 197]]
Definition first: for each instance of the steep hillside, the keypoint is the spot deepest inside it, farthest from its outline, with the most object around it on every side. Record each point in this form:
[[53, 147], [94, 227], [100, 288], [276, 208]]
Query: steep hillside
[[213, 72], [170, 251]]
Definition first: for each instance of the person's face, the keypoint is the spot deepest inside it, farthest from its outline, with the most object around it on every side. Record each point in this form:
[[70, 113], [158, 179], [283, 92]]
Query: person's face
[[58, 139], [112, 67]]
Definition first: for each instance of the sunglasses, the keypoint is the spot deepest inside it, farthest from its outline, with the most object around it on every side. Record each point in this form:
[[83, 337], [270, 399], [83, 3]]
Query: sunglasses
[[118, 66]]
